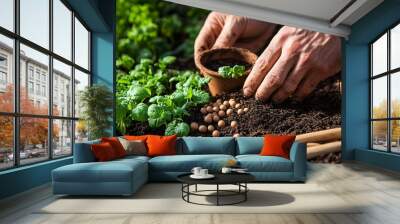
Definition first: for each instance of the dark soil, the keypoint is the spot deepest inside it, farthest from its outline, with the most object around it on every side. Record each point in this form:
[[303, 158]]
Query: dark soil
[[214, 65]]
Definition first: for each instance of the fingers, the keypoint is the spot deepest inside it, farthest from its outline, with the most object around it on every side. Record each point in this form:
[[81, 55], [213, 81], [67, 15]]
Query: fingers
[[232, 30], [260, 69], [208, 33], [308, 85], [275, 78], [293, 80], [256, 43]]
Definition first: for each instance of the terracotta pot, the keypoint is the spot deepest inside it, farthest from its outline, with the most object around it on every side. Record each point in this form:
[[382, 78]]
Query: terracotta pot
[[218, 84]]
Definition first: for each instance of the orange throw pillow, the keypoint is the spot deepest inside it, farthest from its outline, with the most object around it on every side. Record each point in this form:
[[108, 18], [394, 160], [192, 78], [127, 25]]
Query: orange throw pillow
[[103, 152], [116, 145], [277, 145], [161, 145], [135, 138]]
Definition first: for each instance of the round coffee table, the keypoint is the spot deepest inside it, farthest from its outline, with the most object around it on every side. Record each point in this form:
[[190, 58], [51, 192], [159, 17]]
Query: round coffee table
[[238, 179]]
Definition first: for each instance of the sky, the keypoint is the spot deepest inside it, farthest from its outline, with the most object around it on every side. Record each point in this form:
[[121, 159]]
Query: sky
[[35, 27]]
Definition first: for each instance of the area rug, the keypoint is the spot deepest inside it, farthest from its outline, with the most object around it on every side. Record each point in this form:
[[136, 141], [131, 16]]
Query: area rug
[[166, 198]]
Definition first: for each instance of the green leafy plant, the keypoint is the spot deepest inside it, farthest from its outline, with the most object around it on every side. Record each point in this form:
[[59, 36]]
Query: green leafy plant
[[229, 72], [96, 103], [154, 93]]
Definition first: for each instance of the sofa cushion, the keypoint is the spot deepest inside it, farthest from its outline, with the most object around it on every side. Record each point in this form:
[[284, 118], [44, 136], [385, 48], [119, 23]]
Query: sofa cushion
[[185, 163], [249, 145], [103, 152], [206, 145], [257, 163], [112, 171], [161, 145], [116, 145]]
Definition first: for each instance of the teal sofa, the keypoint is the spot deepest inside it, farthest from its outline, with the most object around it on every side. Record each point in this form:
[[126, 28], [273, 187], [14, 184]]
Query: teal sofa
[[125, 176]]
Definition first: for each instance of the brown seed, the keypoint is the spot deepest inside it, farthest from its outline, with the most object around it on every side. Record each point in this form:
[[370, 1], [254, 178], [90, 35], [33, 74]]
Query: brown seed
[[237, 106], [203, 110], [194, 126], [215, 109], [229, 112], [219, 101], [208, 118], [246, 109], [226, 103], [202, 128], [221, 123], [209, 109], [240, 111], [222, 107], [215, 133], [234, 124], [232, 103], [210, 128], [221, 113], [215, 118]]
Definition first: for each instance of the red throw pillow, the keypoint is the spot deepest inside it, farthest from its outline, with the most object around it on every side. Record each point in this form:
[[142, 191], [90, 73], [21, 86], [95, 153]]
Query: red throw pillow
[[277, 145], [134, 138], [116, 145], [161, 145], [103, 152]]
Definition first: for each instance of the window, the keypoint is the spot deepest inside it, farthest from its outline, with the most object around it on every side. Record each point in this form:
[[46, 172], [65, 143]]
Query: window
[[385, 94], [48, 78]]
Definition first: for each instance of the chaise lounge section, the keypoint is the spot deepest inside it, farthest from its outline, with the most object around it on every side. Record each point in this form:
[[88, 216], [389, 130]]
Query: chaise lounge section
[[125, 176]]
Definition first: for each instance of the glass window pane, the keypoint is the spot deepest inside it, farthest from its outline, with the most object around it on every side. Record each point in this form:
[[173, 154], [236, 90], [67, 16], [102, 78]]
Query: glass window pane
[[81, 45], [62, 29], [395, 136], [379, 97], [35, 21], [33, 140], [81, 131], [6, 74], [6, 142], [62, 89], [379, 135], [395, 94], [7, 14], [395, 47], [34, 96], [81, 81], [379, 56], [62, 138]]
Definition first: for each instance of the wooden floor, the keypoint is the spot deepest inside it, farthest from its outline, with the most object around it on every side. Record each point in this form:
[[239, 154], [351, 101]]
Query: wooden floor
[[377, 188]]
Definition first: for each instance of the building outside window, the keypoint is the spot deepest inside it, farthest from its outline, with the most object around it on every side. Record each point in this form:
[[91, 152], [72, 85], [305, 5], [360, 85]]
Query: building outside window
[[58, 125], [385, 92]]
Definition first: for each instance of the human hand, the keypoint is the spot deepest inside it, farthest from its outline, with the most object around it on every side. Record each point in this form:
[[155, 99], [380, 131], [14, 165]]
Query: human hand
[[293, 64], [223, 30]]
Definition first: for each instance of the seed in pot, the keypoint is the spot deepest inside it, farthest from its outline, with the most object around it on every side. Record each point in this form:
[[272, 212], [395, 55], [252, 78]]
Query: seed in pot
[[237, 106], [203, 110], [221, 113], [240, 111], [234, 124], [229, 112], [226, 103], [221, 123], [236, 135], [215, 109], [202, 129], [215, 133], [208, 118], [219, 101], [246, 109], [209, 109], [210, 128], [222, 107], [215, 118], [194, 126]]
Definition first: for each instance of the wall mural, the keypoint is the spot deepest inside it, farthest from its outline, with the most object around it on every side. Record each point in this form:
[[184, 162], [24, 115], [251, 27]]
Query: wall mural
[[187, 71]]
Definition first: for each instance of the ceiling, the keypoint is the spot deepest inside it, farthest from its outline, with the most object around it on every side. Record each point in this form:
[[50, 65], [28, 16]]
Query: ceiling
[[328, 16]]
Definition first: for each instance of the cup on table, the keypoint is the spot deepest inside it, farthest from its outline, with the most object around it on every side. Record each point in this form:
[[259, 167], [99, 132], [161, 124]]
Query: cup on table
[[226, 170], [196, 171]]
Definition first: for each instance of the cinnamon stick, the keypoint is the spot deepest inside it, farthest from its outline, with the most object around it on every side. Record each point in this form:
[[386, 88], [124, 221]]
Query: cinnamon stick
[[329, 135]]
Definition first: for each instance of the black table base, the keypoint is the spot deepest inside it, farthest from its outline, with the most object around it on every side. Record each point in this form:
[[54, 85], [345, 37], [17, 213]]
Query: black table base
[[241, 191]]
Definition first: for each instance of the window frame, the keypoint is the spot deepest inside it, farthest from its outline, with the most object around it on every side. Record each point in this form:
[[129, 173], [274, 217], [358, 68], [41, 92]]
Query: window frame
[[16, 114], [388, 74]]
